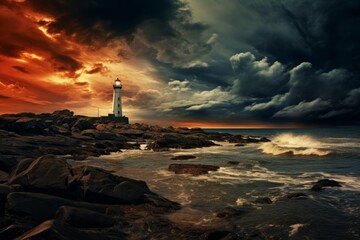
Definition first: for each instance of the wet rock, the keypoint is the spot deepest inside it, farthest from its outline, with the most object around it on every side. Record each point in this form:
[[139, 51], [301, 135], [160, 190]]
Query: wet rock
[[239, 145], [7, 163], [12, 231], [319, 185], [215, 235], [183, 157], [101, 186], [47, 173], [39, 207], [174, 140], [194, 169], [262, 200], [233, 162], [52, 229], [83, 123], [4, 176], [83, 218], [4, 191], [296, 195], [230, 212]]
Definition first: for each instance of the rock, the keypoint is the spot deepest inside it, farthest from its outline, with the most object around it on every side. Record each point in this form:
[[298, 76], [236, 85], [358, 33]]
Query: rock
[[101, 186], [183, 157], [233, 162], [7, 163], [104, 135], [174, 140], [4, 176], [296, 195], [52, 229], [262, 200], [83, 218], [83, 123], [12, 231], [194, 169], [4, 191], [319, 185], [65, 113], [47, 173], [230, 212], [39, 207], [162, 202], [215, 235]]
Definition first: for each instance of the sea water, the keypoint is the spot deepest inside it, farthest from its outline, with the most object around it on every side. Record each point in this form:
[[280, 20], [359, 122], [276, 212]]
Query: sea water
[[290, 163]]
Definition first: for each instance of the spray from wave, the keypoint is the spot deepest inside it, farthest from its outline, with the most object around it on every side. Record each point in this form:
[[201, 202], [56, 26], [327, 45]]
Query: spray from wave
[[289, 143]]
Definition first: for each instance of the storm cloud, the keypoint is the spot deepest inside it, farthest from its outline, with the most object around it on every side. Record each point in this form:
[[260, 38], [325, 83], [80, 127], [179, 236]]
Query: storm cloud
[[233, 61]]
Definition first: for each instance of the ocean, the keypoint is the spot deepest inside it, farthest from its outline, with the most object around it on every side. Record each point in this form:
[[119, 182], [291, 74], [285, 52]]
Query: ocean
[[290, 163]]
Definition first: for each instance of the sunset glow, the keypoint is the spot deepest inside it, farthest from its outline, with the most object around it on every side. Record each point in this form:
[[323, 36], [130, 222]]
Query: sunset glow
[[181, 68]]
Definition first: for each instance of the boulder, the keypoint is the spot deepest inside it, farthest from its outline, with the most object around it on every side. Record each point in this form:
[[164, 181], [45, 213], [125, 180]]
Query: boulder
[[296, 195], [39, 207], [55, 230], [83, 123], [175, 140], [46, 173], [230, 212], [4, 191], [83, 218], [12, 231], [216, 235], [4, 176], [319, 185], [262, 200], [233, 162], [183, 157], [194, 169], [98, 185], [7, 163]]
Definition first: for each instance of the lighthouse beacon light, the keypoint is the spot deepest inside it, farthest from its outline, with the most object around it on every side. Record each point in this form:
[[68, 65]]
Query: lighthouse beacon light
[[117, 104]]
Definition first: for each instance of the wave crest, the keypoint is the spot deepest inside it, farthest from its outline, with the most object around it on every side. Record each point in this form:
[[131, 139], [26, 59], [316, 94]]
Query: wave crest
[[288, 143]]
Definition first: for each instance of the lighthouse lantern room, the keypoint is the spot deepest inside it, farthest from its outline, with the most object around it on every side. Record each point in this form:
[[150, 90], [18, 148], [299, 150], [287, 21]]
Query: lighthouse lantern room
[[117, 107]]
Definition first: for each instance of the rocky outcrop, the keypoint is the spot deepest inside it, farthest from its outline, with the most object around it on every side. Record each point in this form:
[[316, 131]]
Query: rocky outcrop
[[319, 185], [83, 218], [173, 140], [193, 169], [52, 175], [183, 157]]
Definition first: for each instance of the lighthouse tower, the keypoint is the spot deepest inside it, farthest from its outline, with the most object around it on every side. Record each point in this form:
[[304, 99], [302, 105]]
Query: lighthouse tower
[[117, 108]]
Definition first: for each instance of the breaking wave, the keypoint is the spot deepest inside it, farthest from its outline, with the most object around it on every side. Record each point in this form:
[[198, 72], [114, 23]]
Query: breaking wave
[[288, 143]]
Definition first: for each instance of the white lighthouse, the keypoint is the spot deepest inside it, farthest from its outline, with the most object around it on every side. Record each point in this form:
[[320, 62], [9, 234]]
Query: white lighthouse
[[117, 107]]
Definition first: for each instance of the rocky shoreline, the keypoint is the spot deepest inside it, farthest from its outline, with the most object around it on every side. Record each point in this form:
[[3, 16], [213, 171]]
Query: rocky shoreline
[[43, 197]]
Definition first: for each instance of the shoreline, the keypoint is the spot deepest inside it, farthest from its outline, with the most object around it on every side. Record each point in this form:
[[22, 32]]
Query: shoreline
[[124, 208]]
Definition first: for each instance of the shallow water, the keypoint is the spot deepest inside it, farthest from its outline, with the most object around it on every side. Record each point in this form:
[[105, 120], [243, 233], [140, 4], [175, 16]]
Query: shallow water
[[291, 162]]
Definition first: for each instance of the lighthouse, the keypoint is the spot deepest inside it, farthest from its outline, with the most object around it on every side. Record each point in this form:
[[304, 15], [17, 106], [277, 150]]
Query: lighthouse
[[117, 107]]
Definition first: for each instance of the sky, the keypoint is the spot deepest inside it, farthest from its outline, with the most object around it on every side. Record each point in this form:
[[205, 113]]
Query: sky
[[208, 63]]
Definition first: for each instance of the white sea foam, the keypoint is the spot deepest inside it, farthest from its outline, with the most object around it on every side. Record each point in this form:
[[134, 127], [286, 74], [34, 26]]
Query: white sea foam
[[295, 144], [294, 229]]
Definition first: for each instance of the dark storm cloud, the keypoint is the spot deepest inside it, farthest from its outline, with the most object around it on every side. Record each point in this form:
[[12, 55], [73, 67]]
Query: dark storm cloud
[[325, 31], [91, 20]]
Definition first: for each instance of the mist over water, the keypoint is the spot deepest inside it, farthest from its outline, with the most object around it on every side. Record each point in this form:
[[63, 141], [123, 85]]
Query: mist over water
[[290, 163]]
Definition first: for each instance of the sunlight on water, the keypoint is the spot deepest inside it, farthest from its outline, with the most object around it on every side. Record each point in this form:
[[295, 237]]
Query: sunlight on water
[[294, 144]]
